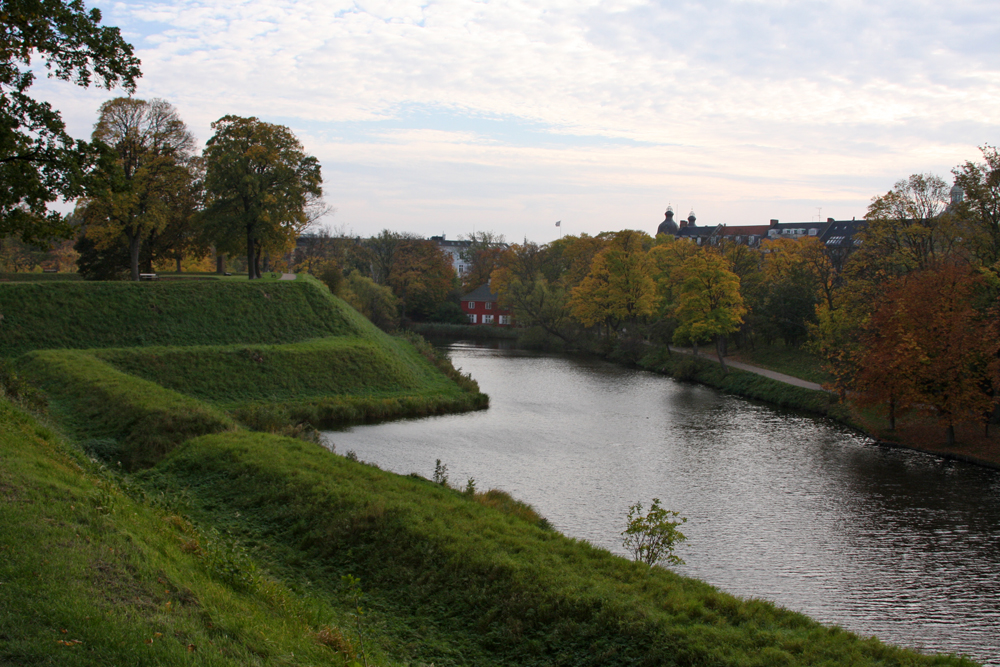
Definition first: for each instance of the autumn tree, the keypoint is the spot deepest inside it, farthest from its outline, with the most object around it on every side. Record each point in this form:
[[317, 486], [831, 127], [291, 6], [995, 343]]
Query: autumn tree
[[908, 229], [374, 301], [618, 288], [797, 276], [979, 211], [482, 256], [259, 184], [421, 277], [664, 259], [709, 305], [39, 161], [522, 287], [142, 175], [928, 347]]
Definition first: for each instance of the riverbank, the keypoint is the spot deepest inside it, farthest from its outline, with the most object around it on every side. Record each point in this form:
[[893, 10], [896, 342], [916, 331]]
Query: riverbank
[[240, 548], [143, 523], [915, 432]]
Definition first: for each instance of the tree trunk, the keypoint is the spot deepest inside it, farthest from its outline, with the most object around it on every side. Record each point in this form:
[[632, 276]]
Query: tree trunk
[[718, 351], [251, 259], [892, 413], [220, 263], [134, 244], [179, 264], [951, 435]]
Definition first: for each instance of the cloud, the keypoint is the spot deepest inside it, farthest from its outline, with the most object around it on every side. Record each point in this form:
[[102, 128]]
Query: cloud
[[720, 103]]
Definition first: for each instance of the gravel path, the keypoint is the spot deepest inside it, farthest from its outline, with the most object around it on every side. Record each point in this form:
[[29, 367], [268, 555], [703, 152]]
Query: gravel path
[[774, 375]]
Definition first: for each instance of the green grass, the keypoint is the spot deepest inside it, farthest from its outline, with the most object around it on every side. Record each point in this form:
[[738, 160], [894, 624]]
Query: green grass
[[451, 581], [94, 573], [131, 420], [227, 375], [228, 546], [24, 277], [121, 314], [793, 361], [745, 383]]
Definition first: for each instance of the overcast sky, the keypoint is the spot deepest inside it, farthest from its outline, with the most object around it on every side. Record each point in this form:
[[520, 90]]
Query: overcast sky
[[451, 116]]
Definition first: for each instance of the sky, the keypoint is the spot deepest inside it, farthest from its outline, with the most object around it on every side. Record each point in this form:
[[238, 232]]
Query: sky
[[454, 116]]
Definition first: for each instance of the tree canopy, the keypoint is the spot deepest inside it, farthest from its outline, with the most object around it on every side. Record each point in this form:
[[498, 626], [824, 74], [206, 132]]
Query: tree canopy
[[39, 161], [260, 184], [143, 182]]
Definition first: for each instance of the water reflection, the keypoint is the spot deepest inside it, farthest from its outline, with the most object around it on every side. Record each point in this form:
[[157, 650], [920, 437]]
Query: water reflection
[[781, 506]]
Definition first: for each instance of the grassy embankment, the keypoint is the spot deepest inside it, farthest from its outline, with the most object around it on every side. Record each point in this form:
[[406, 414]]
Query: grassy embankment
[[230, 551], [706, 370], [229, 548], [914, 430], [267, 354]]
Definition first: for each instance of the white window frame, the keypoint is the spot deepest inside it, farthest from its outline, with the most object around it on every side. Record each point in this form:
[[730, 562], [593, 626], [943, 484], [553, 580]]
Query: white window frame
[[487, 319], [472, 318]]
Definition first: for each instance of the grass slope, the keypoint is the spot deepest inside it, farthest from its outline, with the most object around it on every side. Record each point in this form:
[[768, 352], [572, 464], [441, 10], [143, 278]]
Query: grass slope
[[271, 354], [137, 421], [92, 573], [453, 582], [124, 314]]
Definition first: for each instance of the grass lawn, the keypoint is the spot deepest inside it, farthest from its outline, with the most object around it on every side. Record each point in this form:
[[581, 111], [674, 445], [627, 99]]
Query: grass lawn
[[778, 357]]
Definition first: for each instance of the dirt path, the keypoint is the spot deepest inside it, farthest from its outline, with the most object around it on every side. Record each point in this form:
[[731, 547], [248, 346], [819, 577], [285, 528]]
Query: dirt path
[[774, 375], [923, 436], [288, 276]]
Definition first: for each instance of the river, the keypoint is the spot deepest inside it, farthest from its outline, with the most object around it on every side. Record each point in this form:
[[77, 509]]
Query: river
[[780, 506]]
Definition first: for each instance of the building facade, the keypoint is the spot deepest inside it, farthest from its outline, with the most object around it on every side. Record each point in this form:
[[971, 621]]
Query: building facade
[[482, 306]]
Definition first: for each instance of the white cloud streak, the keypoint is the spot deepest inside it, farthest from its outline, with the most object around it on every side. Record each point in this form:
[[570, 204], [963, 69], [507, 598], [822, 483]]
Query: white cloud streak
[[745, 110]]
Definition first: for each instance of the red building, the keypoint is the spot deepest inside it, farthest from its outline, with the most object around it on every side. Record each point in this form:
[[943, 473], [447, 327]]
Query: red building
[[482, 307]]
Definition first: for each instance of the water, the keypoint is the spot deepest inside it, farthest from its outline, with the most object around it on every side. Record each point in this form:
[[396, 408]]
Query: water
[[780, 506]]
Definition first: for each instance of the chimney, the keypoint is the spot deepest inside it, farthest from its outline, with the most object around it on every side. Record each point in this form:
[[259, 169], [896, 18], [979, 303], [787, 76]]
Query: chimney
[[830, 220]]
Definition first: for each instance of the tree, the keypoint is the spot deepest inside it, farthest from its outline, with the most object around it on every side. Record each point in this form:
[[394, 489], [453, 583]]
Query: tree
[[421, 277], [522, 287], [259, 184], [979, 211], [652, 537], [618, 287], [797, 276], [483, 256], [909, 229], [927, 346], [381, 253], [143, 182], [709, 304], [39, 161], [376, 302]]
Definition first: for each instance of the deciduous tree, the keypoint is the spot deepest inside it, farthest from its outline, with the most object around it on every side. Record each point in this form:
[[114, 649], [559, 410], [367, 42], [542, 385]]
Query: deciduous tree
[[421, 277], [619, 287], [143, 176], [523, 288], [709, 304], [979, 212], [927, 346], [39, 161], [259, 184]]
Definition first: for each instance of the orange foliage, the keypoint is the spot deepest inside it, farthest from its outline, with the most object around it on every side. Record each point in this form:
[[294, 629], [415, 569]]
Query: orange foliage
[[927, 347]]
